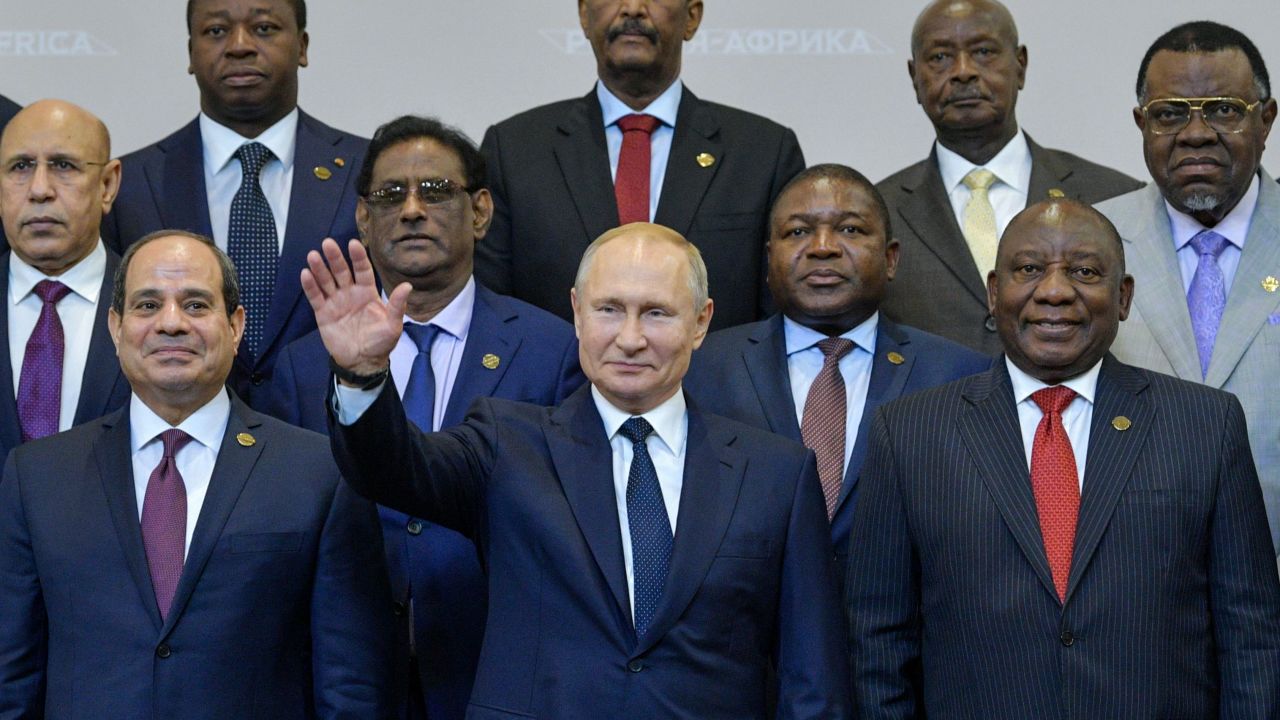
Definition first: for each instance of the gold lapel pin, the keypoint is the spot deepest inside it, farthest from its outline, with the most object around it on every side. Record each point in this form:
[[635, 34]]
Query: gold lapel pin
[[339, 162], [245, 439], [1270, 284], [322, 172], [896, 358], [490, 361], [706, 159], [1121, 423], [1056, 193]]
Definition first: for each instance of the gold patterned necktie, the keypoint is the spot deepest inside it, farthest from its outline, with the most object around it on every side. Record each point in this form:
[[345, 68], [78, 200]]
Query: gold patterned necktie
[[979, 218]]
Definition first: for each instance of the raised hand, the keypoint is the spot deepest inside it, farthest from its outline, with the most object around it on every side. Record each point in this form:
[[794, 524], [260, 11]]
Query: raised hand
[[358, 329]]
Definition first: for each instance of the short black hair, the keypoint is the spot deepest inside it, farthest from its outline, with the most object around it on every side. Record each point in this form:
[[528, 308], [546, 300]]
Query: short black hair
[[842, 173], [412, 127], [299, 13], [1205, 36], [230, 281]]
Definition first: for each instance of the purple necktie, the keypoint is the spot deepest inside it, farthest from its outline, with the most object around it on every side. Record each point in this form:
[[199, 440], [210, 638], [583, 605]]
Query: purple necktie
[[164, 521], [1207, 295], [40, 387]]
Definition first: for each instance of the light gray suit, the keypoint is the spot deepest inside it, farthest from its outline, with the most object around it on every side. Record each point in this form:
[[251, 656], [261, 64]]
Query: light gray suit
[[1246, 353]]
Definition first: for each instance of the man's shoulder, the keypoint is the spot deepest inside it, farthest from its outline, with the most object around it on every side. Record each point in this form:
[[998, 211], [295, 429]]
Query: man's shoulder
[[1092, 182], [935, 349], [731, 338], [894, 186], [742, 120], [340, 138], [752, 441], [546, 116], [61, 449], [187, 134], [547, 327]]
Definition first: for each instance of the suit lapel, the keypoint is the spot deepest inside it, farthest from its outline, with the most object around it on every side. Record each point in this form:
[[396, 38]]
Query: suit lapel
[[1046, 173], [488, 335], [584, 464], [685, 181], [184, 197], [101, 371], [230, 473], [112, 453], [927, 211], [583, 156], [1249, 305], [765, 358], [713, 472], [991, 431], [1112, 454], [10, 427]]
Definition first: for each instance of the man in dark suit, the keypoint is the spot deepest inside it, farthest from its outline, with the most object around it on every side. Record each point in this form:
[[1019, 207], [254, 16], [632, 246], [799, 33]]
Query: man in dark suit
[[423, 206], [218, 567], [645, 559], [56, 181], [8, 109], [566, 172], [300, 188], [831, 257], [967, 68], [1064, 535]]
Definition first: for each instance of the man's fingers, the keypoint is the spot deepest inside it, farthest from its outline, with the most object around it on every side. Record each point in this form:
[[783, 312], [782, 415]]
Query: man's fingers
[[361, 265], [311, 289], [398, 300], [337, 263], [320, 275]]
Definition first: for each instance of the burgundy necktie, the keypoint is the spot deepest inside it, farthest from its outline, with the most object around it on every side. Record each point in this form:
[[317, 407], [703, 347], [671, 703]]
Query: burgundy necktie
[[824, 422], [631, 184], [1055, 483], [40, 387], [164, 521]]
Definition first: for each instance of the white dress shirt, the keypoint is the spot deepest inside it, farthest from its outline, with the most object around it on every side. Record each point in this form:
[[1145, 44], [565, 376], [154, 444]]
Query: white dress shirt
[[666, 446], [446, 352], [1077, 418], [195, 460], [222, 175], [665, 107], [804, 362], [1008, 194], [76, 311], [1234, 227]]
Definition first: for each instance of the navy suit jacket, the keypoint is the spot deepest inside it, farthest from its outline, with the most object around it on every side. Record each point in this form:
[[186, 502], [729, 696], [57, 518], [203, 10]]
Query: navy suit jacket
[[750, 571], [103, 387], [1172, 604], [8, 109], [538, 363], [741, 373], [163, 188], [279, 613]]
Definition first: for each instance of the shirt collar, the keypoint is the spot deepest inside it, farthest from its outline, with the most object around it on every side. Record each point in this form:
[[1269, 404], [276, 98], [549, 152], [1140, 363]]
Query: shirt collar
[[1085, 384], [206, 425], [221, 142], [455, 318], [665, 107], [800, 337], [84, 278], [1012, 165], [1234, 227], [669, 420]]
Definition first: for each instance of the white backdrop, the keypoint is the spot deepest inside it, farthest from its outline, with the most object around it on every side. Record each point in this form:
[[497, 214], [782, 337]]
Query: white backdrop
[[833, 70]]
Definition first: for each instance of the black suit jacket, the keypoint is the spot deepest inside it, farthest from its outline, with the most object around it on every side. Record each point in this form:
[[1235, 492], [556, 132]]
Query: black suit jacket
[[553, 194], [103, 387], [938, 288], [163, 187], [1173, 603]]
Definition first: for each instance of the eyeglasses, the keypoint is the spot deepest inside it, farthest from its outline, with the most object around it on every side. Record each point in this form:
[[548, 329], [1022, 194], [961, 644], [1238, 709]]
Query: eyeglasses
[[432, 191], [1226, 115], [64, 171]]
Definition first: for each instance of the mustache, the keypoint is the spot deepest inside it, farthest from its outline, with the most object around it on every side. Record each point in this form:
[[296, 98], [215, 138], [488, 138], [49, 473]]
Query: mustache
[[632, 26], [968, 92]]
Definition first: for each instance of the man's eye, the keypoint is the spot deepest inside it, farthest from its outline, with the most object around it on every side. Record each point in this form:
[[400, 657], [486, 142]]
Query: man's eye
[[63, 165], [852, 230], [797, 232], [22, 165], [1086, 272], [215, 31]]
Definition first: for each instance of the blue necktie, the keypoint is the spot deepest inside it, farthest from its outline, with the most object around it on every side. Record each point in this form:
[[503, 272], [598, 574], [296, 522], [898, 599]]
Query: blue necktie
[[251, 243], [420, 392], [650, 527], [1207, 296]]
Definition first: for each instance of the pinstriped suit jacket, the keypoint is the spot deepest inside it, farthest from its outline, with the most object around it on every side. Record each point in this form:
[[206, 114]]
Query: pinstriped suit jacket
[[1173, 603]]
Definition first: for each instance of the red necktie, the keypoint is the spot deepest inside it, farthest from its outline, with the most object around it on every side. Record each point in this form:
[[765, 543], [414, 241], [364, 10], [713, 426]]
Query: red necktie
[[631, 184], [1055, 483], [164, 521], [824, 422]]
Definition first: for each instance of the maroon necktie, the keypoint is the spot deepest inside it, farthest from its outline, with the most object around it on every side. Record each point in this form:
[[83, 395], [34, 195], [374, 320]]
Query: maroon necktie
[[40, 387], [631, 184], [164, 521], [823, 424], [1055, 483]]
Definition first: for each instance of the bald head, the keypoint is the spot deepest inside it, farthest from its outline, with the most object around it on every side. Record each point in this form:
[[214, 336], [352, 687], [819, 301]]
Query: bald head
[[994, 15], [639, 233], [69, 116], [1065, 215]]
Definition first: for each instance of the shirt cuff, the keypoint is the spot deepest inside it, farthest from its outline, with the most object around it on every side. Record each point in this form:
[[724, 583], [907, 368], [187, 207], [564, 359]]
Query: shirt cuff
[[349, 403]]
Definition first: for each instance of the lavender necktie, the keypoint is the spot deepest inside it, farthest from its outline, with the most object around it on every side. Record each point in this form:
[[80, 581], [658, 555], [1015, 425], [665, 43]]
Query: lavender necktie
[[164, 521], [1207, 295], [40, 387]]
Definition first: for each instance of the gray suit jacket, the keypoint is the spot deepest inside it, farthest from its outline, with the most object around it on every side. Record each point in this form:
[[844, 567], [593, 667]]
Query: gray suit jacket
[[938, 288], [1246, 354]]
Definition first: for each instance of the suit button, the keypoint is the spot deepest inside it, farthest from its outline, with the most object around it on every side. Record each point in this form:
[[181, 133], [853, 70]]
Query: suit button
[[163, 651], [257, 378], [414, 527], [991, 323], [1067, 638], [635, 666], [399, 608]]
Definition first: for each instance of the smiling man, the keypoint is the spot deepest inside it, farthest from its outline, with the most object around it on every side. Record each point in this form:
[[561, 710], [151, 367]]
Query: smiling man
[[967, 68], [265, 180], [1063, 535]]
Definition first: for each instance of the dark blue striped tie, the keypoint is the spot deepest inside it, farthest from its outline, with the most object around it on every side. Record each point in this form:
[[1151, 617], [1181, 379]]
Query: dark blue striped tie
[[251, 243], [650, 527]]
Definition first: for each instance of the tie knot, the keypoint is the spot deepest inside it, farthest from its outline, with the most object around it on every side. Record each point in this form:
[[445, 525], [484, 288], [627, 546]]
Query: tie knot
[[636, 429], [174, 440], [422, 335], [51, 291], [252, 157], [1208, 242], [979, 179], [1053, 400], [835, 348], [639, 122]]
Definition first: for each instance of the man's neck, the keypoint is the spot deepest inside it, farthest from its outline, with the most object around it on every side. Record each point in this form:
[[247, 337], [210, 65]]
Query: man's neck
[[249, 128], [425, 303], [978, 147], [637, 91]]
